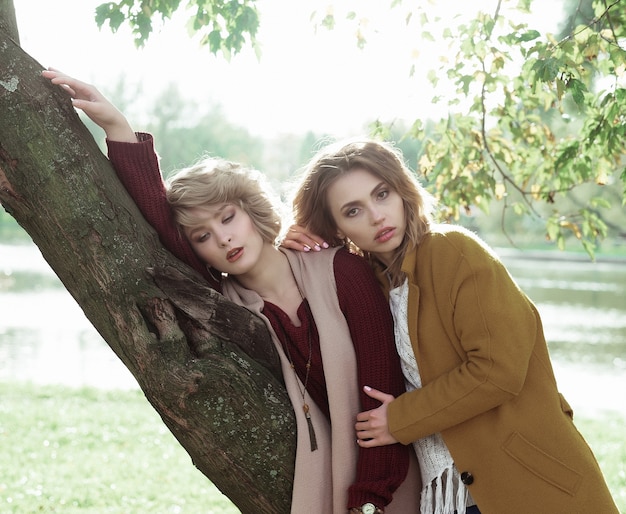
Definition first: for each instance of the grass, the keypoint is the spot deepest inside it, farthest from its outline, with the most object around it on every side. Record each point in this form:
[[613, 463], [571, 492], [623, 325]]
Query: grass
[[91, 451], [607, 437]]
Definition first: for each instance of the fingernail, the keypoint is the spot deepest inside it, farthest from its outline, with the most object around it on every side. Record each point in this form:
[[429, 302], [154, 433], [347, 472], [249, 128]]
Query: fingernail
[[367, 388], [307, 248], [317, 247], [325, 244]]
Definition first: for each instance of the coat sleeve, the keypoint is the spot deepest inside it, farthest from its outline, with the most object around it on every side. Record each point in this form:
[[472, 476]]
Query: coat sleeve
[[137, 166], [476, 333]]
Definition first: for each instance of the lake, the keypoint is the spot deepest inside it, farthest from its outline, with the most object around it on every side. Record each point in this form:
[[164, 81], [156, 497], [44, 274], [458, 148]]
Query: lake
[[46, 339]]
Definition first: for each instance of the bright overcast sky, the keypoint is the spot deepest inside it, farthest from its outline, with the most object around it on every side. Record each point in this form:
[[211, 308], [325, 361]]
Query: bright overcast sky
[[303, 80]]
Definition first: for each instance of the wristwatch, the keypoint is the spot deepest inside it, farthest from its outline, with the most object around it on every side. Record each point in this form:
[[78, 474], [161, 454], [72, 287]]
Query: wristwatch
[[366, 508]]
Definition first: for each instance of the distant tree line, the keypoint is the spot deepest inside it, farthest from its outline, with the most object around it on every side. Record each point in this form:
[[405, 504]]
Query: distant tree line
[[185, 133]]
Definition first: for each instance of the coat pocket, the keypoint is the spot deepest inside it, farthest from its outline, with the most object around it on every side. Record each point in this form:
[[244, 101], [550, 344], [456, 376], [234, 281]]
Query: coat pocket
[[542, 464]]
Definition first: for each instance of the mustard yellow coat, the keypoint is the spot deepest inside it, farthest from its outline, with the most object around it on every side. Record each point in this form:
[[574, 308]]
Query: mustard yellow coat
[[488, 385]]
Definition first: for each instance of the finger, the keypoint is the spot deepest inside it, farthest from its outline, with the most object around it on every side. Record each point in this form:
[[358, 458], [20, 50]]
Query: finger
[[53, 74], [57, 82], [376, 440], [365, 433], [70, 82], [369, 443], [377, 395], [314, 242], [82, 104], [304, 240], [295, 245], [363, 416], [364, 437], [67, 89], [49, 71], [64, 81], [361, 426], [305, 237]]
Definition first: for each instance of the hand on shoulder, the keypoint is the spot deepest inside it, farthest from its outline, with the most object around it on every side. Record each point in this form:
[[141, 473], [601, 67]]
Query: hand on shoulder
[[300, 239]]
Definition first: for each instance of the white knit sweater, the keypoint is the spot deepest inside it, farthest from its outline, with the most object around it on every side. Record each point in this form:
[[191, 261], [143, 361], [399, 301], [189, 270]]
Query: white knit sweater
[[442, 492]]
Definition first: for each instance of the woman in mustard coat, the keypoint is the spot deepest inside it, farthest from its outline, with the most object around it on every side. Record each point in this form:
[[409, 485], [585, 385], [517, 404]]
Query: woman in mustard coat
[[482, 409]]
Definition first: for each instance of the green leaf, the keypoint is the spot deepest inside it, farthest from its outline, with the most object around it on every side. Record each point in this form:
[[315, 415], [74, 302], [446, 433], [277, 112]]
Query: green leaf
[[546, 70], [578, 90], [529, 35]]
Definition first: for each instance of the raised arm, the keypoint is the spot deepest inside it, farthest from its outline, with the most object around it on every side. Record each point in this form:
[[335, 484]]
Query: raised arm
[[89, 100], [136, 164]]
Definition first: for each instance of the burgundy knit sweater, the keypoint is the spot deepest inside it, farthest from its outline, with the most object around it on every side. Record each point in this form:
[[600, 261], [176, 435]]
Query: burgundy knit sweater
[[380, 470]]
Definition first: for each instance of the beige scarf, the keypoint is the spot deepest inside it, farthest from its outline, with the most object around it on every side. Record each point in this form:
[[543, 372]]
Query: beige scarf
[[322, 477]]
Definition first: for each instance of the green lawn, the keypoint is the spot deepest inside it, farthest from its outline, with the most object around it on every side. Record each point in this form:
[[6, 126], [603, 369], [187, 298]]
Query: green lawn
[[90, 451], [607, 437]]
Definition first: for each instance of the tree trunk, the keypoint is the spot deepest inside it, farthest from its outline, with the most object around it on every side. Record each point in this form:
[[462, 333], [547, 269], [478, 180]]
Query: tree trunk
[[8, 21], [207, 366]]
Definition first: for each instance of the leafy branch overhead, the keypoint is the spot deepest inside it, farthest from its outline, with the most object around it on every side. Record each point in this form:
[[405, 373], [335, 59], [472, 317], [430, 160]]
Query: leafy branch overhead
[[532, 119], [224, 26]]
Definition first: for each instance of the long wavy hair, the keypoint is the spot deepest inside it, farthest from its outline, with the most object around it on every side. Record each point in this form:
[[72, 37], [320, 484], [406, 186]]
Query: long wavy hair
[[212, 181], [383, 160]]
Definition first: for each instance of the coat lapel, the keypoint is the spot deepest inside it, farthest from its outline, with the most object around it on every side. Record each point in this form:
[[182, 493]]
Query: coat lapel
[[409, 266]]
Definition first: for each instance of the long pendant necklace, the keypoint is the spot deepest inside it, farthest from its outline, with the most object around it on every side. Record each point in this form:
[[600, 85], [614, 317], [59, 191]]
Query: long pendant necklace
[[302, 388]]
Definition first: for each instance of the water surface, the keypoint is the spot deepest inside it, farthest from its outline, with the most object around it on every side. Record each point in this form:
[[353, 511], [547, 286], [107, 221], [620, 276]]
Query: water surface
[[45, 338]]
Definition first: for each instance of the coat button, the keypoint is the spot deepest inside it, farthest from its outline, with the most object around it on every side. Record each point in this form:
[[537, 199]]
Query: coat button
[[467, 478]]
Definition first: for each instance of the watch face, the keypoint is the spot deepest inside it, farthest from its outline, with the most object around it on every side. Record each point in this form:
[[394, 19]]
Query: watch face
[[368, 508]]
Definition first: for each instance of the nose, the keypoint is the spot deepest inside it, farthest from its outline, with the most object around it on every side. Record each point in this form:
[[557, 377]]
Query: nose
[[376, 216], [224, 240]]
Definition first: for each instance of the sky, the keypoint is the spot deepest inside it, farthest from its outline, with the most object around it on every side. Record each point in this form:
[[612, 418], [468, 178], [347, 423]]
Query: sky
[[305, 80]]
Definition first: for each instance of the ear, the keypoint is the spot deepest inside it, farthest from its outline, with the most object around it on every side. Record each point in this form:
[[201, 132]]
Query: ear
[[341, 235]]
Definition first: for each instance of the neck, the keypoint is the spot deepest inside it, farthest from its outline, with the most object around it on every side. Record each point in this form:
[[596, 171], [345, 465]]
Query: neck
[[272, 278]]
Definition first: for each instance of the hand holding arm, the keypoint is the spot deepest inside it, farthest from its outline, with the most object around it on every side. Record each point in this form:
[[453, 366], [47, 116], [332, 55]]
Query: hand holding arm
[[371, 426], [300, 239], [102, 112]]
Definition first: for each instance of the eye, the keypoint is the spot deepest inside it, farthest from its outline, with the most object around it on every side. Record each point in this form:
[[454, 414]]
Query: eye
[[382, 194], [228, 214], [350, 213], [203, 237]]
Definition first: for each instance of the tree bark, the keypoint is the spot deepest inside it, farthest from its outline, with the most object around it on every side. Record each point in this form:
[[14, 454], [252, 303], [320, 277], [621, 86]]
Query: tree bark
[[8, 21], [206, 365]]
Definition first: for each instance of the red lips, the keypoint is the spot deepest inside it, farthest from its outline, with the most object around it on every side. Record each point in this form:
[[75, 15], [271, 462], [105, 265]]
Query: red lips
[[385, 234], [234, 254]]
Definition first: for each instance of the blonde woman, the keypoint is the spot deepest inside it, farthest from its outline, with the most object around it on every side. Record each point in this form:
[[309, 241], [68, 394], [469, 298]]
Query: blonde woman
[[328, 319]]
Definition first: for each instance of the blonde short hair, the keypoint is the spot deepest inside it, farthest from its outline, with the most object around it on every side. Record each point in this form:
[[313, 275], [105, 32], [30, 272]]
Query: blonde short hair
[[214, 181]]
